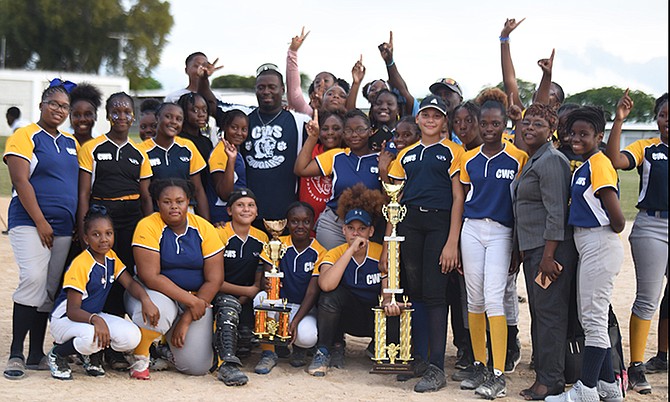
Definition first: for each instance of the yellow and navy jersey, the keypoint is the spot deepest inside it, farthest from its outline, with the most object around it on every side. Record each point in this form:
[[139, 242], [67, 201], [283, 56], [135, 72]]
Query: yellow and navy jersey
[[490, 180], [241, 257], [90, 278], [53, 176], [363, 280], [116, 170], [586, 208], [180, 161], [650, 156], [348, 169], [298, 268], [182, 256], [218, 161], [427, 171]]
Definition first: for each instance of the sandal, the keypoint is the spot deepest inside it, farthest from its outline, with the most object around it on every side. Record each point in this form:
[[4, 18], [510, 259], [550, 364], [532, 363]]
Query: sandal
[[530, 395], [15, 369]]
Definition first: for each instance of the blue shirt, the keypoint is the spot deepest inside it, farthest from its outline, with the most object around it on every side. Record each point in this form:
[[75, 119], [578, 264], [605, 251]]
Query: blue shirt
[[363, 280], [650, 156], [54, 175], [490, 180], [241, 257], [586, 208], [348, 169]]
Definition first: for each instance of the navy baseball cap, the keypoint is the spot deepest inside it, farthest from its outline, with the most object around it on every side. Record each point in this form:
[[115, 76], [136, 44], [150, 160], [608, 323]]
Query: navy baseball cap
[[241, 193], [358, 215], [435, 102]]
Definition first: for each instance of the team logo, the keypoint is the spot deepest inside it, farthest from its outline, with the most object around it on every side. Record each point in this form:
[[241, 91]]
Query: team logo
[[265, 140], [155, 161], [505, 174], [309, 266], [373, 279], [658, 156], [133, 161], [408, 158], [184, 159], [104, 156], [71, 151], [374, 169], [230, 254], [581, 181], [441, 158]]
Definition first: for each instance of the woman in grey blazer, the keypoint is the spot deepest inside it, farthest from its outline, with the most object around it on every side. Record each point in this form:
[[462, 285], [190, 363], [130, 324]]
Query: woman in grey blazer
[[545, 246]]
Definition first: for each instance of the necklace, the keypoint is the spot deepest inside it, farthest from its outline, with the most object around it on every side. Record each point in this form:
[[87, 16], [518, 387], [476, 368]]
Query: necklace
[[271, 120]]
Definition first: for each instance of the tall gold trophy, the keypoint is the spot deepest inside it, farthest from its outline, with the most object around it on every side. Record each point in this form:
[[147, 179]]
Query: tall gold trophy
[[272, 315], [392, 358]]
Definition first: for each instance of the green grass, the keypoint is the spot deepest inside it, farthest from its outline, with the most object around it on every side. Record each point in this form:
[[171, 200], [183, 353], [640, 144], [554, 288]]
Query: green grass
[[628, 182]]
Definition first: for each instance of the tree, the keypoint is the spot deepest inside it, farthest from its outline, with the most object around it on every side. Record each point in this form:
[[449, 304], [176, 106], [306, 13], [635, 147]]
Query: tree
[[234, 81], [526, 90], [607, 98], [74, 35]]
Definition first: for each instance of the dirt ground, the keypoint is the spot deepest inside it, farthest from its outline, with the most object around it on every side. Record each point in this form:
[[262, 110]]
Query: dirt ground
[[286, 383]]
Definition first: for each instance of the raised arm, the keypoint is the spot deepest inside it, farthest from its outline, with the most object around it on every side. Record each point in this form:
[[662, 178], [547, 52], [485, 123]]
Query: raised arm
[[613, 150], [357, 75], [296, 100], [305, 166], [204, 88], [509, 75], [542, 94], [395, 79]]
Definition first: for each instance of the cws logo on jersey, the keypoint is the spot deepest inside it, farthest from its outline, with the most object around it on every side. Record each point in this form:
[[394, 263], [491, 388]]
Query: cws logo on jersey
[[373, 279], [581, 181], [408, 158], [505, 174], [659, 156], [308, 267], [264, 142], [230, 254]]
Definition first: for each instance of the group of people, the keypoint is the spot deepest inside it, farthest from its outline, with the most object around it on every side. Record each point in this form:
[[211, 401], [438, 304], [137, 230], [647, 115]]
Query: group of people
[[177, 221]]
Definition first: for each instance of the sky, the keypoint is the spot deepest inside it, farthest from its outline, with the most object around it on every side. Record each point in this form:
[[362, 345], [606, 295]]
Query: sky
[[598, 42]]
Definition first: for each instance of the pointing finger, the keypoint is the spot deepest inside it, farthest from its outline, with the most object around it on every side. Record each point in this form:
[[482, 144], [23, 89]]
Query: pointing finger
[[553, 52]]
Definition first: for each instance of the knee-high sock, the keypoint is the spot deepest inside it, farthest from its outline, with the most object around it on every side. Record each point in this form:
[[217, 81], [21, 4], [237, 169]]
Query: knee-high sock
[[498, 327], [65, 349], [437, 335], [607, 371], [477, 323], [420, 330], [148, 336], [38, 331], [23, 318], [638, 332], [592, 362]]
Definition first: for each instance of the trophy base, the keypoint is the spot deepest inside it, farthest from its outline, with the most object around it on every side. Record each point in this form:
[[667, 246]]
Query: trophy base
[[394, 238], [276, 341], [269, 274], [388, 368], [278, 308]]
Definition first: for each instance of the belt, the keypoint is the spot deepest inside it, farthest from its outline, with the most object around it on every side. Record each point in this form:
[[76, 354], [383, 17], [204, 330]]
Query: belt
[[655, 213], [130, 197], [422, 209]]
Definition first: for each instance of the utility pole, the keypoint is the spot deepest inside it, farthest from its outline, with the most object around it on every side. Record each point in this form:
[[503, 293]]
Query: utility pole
[[123, 39]]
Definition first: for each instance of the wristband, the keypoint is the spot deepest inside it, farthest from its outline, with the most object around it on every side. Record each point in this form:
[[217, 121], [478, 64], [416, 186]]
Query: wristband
[[391, 63], [90, 318], [503, 39]]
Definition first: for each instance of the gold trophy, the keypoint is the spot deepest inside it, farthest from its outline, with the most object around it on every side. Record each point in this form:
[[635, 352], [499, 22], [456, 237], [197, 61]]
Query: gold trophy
[[272, 315], [392, 358]]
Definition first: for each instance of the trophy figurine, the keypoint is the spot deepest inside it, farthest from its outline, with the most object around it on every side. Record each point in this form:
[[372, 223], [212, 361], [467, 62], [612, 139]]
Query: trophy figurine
[[272, 315], [393, 358]]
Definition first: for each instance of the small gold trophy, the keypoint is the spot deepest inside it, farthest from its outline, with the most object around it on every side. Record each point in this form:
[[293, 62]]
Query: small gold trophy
[[272, 315], [393, 358]]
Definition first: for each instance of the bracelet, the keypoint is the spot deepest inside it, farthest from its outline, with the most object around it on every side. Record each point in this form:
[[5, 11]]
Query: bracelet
[[90, 318], [391, 63], [503, 39]]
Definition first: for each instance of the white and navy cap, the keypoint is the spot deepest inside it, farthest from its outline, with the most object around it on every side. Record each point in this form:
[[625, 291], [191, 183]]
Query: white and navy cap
[[358, 215], [435, 102]]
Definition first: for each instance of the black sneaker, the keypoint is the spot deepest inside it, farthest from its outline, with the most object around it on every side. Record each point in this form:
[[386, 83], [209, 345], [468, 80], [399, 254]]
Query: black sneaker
[[479, 376], [419, 368], [464, 360], [231, 375], [494, 387], [283, 352], [512, 360], [461, 375], [116, 360], [433, 380], [298, 357], [656, 365], [637, 381], [58, 366], [93, 364], [337, 356]]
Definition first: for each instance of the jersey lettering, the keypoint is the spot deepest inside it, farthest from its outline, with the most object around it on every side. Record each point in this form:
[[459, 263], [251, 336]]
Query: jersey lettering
[[134, 161], [505, 174], [155, 161], [581, 181], [373, 279], [230, 254], [184, 159], [309, 266], [658, 156], [104, 156], [374, 169], [408, 158], [71, 151]]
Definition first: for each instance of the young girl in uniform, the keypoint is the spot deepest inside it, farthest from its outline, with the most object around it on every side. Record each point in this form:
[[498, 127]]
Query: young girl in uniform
[[78, 324], [384, 115], [226, 167], [407, 133], [434, 200], [649, 236], [243, 272], [597, 219], [487, 173], [174, 157], [299, 286], [85, 100]]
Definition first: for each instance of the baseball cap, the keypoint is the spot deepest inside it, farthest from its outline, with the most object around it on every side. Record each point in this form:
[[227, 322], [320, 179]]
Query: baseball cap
[[358, 215], [448, 83], [435, 102], [268, 67], [241, 193]]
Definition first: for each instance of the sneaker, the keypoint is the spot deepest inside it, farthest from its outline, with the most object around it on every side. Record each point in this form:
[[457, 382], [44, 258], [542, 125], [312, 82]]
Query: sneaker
[[578, 393], [337, 357], [464, 360], [432, 380], [637, 381], [139, 370], [116, 360], [479, 376], [463, 374], [158, 364], [418, 370], [298, 357], [58, 366], [494, 387], [656, 365], [231, 375], [609, 392], [162, 351], [512, 360], [320, 362], [93, 364], [267, 362], [283, 352]]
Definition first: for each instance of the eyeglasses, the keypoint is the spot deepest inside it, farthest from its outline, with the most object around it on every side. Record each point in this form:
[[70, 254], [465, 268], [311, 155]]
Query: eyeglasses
[[54, 106], [357, 130], [535, 124]]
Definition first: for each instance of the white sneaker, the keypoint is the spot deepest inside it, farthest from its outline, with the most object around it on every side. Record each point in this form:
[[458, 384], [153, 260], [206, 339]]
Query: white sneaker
[[609, 392], [578, 393], [139, 370]]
